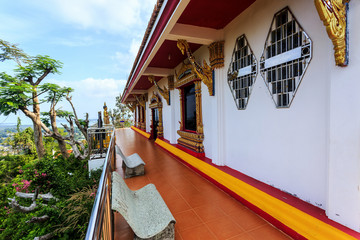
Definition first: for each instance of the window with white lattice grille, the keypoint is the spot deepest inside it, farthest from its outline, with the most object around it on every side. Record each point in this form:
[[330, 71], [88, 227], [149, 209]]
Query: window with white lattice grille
[[286, 56], [242, 72]]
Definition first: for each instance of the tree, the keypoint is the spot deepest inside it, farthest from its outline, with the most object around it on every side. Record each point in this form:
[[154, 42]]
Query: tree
[[121, 113], [22, 141], [56, 94], [12, 52], [21, 92]]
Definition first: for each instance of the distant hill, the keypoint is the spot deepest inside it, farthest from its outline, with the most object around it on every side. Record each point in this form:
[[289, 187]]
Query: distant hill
[[13, 125]]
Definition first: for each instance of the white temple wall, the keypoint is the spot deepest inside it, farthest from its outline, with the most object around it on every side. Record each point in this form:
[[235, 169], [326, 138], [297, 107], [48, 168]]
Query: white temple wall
[[285, 148], [311, 149], [344, 163]]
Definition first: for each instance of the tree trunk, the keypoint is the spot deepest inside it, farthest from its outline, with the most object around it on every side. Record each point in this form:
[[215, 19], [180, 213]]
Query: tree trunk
[[61, 142], [40, 149]]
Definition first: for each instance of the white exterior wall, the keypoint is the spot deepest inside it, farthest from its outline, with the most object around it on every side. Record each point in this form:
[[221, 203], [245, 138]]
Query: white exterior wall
[[285, 148], [311, 149], [344, 163]]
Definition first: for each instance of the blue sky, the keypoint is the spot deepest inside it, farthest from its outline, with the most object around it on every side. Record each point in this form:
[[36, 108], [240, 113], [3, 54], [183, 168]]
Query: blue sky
[[97, 41]]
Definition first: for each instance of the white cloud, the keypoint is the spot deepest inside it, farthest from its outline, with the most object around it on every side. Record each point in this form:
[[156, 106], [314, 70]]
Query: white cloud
[[80, 41], [113, 16], [125, 60], [90, 94], [107, 87]]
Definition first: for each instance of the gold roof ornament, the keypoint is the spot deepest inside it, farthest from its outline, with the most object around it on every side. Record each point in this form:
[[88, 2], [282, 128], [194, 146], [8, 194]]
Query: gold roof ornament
[[333, 14], [204, 73], [163, 92]]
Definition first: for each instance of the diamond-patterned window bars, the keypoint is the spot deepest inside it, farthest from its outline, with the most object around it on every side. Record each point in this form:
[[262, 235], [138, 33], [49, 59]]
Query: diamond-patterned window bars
[[242, 72], [286, 56]]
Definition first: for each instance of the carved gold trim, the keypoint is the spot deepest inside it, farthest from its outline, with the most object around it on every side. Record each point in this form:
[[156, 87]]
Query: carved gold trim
[[199, 123], [186, 75], [333, 15], [165, 93], [216, 50], [155, 101], [204, 73], [181, 91], [142, 113], [141, 101], [160, 126], [193, 141], [171, 82], [131, 106]]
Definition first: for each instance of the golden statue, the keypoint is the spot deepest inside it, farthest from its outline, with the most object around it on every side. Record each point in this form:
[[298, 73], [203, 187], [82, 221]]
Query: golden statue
[[106, 115]]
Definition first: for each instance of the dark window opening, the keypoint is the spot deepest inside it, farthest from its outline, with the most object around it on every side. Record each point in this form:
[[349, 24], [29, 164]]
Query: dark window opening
[[190, 107]]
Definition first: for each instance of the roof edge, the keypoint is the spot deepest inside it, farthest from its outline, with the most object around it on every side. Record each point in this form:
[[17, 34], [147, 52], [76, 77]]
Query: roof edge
[[148, 30]]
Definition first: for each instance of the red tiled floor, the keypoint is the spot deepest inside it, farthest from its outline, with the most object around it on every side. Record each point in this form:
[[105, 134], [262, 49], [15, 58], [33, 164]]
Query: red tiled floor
[[202, 210], [224, 228]]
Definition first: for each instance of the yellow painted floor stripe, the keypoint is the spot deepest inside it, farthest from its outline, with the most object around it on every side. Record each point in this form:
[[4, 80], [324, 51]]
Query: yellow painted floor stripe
[[145, 134], [301, 222]]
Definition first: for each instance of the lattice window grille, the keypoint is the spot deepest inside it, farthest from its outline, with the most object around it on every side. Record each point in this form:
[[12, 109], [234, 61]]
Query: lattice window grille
[[286, 56], [242, 72]]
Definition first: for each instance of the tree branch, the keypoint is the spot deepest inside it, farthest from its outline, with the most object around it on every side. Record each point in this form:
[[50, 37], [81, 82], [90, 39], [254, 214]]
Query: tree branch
[[44, 237], [46, 197], [38, 219], [43, 76], [17, 207], [81, 128]]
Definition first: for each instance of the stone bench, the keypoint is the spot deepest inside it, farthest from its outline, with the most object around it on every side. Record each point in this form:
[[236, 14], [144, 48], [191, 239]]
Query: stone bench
[[144, 210], [133, 164]]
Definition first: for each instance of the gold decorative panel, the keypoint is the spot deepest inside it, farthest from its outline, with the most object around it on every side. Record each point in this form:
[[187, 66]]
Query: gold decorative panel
[[333, 14], [194, 141], [216, 51]]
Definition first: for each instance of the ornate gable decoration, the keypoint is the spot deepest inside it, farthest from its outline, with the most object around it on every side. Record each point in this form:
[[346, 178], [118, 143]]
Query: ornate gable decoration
[[333, 13], [186, 75], [155, 101], [285, 58], [242, 72], [163, 92]]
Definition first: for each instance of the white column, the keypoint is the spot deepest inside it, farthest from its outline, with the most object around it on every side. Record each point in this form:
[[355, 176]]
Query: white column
[[218, 118], [173, 124]]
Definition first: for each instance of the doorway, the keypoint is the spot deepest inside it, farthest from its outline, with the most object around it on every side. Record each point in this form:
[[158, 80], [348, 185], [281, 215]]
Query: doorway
[[155, 122]]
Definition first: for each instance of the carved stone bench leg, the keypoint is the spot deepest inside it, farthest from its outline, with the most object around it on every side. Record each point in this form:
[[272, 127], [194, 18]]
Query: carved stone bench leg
[[167, 234], [132, 172]]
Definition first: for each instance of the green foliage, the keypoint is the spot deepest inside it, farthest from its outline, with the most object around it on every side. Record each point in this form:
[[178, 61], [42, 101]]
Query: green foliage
[[121, 116], [22, 141], [14, 94], [78, 210], [10, 166], [37, 67], [65, 179], [12, 52]]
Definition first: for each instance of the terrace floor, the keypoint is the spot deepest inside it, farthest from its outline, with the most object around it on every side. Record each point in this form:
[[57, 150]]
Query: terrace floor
[[201, 210]]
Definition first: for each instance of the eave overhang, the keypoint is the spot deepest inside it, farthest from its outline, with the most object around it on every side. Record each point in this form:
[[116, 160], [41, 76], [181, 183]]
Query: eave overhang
[[200, 22]]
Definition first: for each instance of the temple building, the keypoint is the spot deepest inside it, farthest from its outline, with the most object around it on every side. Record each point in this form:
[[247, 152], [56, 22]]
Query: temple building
[[259, 97]]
